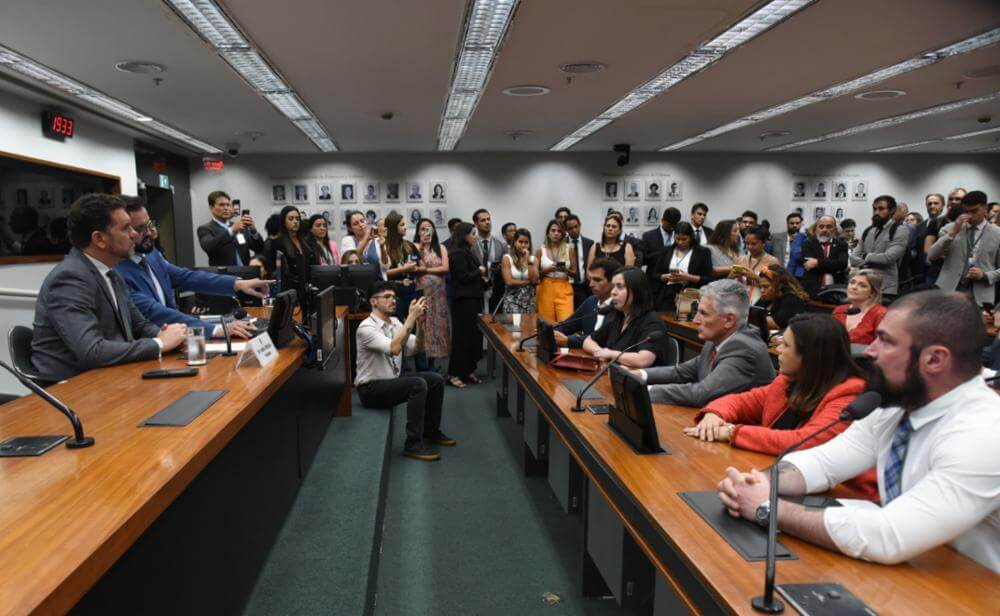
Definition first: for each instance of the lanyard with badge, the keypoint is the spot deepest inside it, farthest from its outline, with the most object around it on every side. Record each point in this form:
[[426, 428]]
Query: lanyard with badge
[[972, 242]]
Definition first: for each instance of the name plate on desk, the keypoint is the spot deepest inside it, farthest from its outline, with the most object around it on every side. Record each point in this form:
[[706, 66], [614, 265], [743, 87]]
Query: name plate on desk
[[259, 351]]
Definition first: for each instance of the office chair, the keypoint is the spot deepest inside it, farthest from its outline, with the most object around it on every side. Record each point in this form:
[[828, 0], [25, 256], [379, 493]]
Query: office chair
[[19, 344]]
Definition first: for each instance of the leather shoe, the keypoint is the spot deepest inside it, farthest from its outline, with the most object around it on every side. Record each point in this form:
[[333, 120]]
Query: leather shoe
[[440, 438], [421, 451]]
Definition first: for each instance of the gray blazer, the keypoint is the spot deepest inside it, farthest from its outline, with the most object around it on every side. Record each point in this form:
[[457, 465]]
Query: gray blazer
[[743, 363], [876, 251], [955, 253], [77, 327], [779, 243]]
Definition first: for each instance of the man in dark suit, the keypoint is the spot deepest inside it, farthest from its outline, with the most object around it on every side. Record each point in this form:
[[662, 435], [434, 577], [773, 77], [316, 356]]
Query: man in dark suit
[[151, 280], [656, 240], [824, 257], [84, 317], [225, 242], [585, 319], [582, 246], [699, 212]]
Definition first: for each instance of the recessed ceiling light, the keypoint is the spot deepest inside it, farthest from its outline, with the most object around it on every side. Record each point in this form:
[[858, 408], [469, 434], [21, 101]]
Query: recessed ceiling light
[[983, 73], [879, 95], [526, 91], [581, 68], [904, 146], [140, 67]]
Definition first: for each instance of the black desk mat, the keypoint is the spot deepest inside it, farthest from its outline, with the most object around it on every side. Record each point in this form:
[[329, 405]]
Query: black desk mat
[[184, 410], [744, 536]]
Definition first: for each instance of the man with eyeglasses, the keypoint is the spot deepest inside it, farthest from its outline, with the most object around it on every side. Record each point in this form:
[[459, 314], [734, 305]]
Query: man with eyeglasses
[[381, 341], [151, 280]]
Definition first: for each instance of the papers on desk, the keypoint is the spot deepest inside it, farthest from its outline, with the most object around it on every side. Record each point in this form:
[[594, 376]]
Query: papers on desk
[[220, 347]]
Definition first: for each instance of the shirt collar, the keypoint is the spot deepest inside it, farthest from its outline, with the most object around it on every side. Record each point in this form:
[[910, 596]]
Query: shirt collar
[[136, 258], [101, 267], [220, 222], [601, 304], [719, 346], [379, 322], [934, 409]]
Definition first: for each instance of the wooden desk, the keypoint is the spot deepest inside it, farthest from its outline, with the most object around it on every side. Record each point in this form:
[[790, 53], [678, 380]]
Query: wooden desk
[[67, 516], [699, 566]]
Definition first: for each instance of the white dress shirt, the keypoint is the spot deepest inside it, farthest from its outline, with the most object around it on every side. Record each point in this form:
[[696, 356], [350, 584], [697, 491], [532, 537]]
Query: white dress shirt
[[375, 361], [138, 260], [600, 317], [581, 271], [668, 237], [950, 480]]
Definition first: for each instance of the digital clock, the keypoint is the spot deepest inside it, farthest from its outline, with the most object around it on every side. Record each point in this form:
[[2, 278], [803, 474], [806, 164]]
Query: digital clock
[[57, 126]]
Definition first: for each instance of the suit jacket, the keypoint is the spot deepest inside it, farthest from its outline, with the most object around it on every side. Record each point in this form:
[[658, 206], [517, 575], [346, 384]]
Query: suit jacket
[[221, 246], [835, 264], [585, 244], [581, 323], [77, 327], [171, 278], [652, 246], [780, 250], [741, 364], [955, 253], [700, 265], [883, 251], [464, 270]]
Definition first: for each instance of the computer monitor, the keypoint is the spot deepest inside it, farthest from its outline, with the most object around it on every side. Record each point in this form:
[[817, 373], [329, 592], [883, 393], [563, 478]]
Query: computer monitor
[[758, 318], [280, 325], [324, 326], [360, 276], [545, 348], [324, 276], [632, 413]]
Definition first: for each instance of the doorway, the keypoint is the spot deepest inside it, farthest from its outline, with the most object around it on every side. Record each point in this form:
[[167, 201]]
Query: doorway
[[160, 205]]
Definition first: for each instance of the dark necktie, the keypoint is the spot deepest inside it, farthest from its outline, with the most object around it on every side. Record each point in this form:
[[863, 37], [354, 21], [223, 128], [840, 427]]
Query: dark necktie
[[119, 308], [486, 252], [576, 247], [698, 234]]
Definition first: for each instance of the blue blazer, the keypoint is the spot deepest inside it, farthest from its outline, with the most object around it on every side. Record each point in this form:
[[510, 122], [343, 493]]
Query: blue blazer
[[171, 278], [577, 331]]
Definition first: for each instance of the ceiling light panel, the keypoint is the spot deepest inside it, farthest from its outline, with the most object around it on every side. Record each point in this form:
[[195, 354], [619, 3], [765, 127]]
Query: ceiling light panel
[[887, 122], [990, 37], [975, 133], [64, 85], [753, 25], [217, 29], [487, 24]]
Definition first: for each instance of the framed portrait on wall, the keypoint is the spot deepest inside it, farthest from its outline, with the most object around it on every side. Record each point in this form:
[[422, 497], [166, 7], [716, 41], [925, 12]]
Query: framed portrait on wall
[[348, 192], [799, 189], [675, 190], [611, 190], [68, 196], [633, 216], [632, 188], [860, 190], [279, 194], [370, 193], [439, 193], [439, 216], [652, 217], [654, 190], [819, 190], [300, 194], [414, 192], [839, 187], [819, 212], [324, 193], [413, 216], [392, 192]]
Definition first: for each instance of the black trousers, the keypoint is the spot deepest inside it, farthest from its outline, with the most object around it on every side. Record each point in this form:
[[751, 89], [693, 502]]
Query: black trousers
[[466, 339], [423, 393]]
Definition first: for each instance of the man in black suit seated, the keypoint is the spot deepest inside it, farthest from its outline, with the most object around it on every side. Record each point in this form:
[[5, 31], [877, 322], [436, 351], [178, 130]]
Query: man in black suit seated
[[582, 246], [578, 326], [84, 317], [824, 257], [228, 242]]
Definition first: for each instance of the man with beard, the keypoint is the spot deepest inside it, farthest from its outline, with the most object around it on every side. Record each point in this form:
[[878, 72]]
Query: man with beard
[[151, 280], [883, 244], [825, 257], [932, 442]]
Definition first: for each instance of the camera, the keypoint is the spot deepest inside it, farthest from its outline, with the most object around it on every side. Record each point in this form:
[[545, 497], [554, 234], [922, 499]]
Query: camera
[[626, 153], [233, 149]]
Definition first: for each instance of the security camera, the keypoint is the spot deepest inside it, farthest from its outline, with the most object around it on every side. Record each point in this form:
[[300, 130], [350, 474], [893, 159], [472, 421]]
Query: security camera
[[233, 149], [626, 153], [984, 120], [388, 115]]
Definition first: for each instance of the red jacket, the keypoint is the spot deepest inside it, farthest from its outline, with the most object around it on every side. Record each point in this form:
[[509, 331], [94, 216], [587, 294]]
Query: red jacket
[[863, 332], [756, 410]]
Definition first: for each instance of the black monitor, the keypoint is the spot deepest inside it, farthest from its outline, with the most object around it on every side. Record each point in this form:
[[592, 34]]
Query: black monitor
[[632, 413], [324, 276], [361, 276], [545, 348], [280, 325], [758, 318], [324, 326]]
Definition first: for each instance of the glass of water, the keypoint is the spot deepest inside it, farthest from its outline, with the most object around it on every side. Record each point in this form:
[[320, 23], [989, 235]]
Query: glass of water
[[196, 353]]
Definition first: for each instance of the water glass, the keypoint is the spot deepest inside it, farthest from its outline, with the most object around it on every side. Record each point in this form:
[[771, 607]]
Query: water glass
[[196, 351]]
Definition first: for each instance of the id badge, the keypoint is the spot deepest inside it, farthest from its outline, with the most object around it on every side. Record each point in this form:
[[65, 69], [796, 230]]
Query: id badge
[[240, 239]]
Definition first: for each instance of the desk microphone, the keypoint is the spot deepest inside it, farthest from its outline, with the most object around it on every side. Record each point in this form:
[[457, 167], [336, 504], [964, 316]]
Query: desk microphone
[[652, 337], [853, 310], [493, 315], [78, 441], [861, 407], [602, 310]]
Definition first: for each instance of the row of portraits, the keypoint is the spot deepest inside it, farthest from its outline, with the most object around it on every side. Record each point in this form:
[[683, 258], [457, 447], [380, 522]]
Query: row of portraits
[[643, 190], [823, 189], [649, 216], [41, 197], [347, 192], [436, 214]]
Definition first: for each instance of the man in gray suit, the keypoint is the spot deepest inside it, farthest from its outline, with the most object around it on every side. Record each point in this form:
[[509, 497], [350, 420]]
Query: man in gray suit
[[84, 318], [883, 244], [781, 242], [734, 357], [489, 250], [970, 249]]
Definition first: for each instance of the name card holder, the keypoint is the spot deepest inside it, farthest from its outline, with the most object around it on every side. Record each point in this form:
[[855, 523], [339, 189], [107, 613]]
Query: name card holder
[[260, 351]]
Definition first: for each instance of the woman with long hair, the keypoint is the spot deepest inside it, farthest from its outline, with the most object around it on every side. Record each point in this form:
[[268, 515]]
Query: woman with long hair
[[556, 270], [632, 321], [683, 264], [612, 245], [519, 269], [781, 295], [468, 279], [402, 269], [294, 247], [724, 245], [863, 311], [430, 279], [323, 248], [817, 380], [359, 233], [747, 268]]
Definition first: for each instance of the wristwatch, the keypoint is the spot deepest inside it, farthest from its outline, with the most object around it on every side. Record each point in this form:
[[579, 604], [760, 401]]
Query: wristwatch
[[763, 513]]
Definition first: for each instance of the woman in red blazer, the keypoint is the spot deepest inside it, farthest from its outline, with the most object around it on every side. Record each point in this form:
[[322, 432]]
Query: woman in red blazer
[[864, 310], [817, 380]]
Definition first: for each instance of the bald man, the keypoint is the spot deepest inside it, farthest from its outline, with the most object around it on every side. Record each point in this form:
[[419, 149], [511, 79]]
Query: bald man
[[824, 257]]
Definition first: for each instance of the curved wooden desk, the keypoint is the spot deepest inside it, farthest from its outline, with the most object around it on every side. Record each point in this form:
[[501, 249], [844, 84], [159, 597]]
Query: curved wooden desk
[[702, 569]]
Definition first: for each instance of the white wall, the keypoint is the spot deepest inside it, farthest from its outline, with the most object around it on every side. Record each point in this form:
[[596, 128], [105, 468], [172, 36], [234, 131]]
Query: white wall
[[93, 148], [527, 188]]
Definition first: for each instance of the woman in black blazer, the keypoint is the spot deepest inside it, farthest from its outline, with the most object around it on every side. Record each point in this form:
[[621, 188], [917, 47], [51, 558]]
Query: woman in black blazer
[[467, 279], [681, 265]]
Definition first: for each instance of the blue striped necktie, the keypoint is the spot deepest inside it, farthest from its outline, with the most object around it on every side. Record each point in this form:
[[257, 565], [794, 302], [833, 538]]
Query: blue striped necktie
[[897, 456]]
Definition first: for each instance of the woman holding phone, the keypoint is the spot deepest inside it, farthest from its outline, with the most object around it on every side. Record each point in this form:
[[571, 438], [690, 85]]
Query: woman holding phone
[[556, 270], [683, 264]]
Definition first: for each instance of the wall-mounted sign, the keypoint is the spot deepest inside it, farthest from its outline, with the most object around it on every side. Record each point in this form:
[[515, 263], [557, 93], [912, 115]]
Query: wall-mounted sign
[[213, 165], [57, 126], [164, 181]]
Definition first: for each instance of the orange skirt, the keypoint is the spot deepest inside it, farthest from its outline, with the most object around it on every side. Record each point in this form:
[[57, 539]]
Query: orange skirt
[[555, 299]]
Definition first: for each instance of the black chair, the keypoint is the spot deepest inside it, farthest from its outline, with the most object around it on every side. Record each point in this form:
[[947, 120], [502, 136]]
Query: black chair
[[19, 344], [835, 294]]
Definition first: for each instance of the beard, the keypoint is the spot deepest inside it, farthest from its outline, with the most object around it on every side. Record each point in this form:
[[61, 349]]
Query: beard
[[910, 395], [145, 247], [878, 222]]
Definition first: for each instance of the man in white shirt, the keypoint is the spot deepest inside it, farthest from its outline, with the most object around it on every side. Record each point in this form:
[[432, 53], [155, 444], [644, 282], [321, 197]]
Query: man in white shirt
[[933, 443], [381, 341], [581, 244]]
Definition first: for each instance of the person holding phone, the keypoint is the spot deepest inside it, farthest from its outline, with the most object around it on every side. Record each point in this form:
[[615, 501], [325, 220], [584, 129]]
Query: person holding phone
[[681, 265], [556, 268], [225, 239]]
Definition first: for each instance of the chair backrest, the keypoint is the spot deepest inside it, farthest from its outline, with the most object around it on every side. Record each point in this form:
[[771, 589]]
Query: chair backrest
[[673, 351], [19, 344]]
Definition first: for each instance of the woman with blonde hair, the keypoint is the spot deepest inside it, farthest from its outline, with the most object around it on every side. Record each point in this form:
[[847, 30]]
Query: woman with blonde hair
[[556, 270], [864, 310]]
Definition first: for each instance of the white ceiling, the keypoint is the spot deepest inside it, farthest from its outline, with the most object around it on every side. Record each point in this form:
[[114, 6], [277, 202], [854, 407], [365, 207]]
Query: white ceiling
[[352, 61]]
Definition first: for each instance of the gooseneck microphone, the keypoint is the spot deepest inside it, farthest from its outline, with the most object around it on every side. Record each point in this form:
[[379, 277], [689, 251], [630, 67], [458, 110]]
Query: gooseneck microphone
[[79, 440], [859, 408], [602, 310], [853, 310], [652, 337]]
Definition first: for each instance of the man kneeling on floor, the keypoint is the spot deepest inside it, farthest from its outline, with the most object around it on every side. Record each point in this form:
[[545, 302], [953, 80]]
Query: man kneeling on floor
[[381, 341]]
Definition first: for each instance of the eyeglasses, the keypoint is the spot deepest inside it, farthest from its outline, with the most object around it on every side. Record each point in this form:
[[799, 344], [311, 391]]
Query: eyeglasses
[[149, 227], [386, 296]]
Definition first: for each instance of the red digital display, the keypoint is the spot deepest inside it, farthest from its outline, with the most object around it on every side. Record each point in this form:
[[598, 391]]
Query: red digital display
[[57, 125]]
